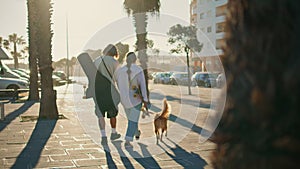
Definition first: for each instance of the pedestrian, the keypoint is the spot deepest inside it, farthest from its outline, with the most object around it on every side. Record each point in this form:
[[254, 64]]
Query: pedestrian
[[132, 86], [106, 66]]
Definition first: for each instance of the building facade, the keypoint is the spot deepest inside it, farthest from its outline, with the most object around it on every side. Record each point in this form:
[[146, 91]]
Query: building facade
[[209, 17]]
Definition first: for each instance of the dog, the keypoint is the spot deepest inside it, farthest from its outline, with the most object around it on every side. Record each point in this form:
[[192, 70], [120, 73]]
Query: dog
[[161, 121]]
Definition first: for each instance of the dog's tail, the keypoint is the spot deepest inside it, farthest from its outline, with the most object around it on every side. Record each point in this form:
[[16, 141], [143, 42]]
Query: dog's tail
[[166, 110]]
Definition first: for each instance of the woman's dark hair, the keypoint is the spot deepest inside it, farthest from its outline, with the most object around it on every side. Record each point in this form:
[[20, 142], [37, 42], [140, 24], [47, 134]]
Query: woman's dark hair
[[130, 58], [110, 50]]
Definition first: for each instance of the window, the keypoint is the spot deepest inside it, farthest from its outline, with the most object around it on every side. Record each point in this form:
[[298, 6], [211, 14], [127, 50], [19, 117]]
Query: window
[[209, 14], [201, 15], [220, 27], [209, 29]]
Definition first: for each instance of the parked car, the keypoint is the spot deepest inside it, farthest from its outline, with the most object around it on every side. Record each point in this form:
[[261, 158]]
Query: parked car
[[8, 73], [162, 77], [205, 79], [57, 81], [179, 78], [12, 83], [24, 70], [220, 81], [60, 74], [21, 73], [150, 76]]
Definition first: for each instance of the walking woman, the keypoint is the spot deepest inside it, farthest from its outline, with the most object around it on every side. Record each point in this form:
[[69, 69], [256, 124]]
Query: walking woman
[[132, 86]]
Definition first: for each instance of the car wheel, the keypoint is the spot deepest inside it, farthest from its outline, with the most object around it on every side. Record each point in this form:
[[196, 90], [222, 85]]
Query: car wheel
[[15, 87], [207, 85], [194, 84]]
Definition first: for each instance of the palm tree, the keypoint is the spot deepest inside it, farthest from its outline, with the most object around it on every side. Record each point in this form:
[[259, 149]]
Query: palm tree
[[122, 49], [48, 108], [72, 63], [32, 49], [15, 40], [138, 9], [260, 124]]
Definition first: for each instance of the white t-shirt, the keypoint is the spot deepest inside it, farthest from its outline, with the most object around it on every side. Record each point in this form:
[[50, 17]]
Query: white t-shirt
[[129, 97]]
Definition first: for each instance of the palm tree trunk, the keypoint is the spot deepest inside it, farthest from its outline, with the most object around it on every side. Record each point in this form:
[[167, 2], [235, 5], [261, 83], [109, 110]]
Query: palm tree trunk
[[140, 23], [32, 34], [260, 124], [48, 107], [16, 61]]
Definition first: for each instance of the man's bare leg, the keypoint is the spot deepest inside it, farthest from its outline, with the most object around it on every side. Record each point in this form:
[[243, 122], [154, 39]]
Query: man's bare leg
[[114, 134]]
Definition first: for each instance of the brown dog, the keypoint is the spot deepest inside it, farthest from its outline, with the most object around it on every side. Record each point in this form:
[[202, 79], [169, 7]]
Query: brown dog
[[161, 121]]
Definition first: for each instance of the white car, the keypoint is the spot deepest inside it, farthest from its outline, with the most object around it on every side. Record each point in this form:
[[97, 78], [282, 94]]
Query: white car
[[6, 72], [220, 81], [12, 83]]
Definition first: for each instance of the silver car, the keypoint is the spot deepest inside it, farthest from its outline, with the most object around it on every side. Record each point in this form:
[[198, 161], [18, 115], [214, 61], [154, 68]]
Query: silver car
[[12, 83]]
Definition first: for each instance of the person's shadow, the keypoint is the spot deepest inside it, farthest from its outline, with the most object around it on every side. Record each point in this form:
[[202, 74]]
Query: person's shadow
[[146, 160], [184, 158], [109, 160], [126, 162]]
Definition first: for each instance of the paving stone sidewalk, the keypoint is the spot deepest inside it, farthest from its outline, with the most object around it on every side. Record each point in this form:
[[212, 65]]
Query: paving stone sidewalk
[[73, 142]]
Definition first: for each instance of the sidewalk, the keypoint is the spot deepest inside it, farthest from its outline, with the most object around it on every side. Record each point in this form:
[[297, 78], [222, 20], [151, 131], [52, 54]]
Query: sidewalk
[[74, 142]]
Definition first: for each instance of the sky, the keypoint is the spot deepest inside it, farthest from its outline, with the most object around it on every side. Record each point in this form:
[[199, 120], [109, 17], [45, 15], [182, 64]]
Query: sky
[[92, 24]]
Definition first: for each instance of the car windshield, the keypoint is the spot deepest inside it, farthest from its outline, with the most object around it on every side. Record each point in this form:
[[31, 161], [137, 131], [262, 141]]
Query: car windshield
[[10, 71], [213, 75], [203, 76]]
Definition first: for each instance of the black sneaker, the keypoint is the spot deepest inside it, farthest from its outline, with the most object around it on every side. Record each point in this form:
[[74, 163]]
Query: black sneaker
[[115, 136], [104, 141], [137, 134]]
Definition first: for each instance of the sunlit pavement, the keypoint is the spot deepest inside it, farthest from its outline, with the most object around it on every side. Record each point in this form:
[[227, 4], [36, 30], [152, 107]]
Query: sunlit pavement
[[75, 142]]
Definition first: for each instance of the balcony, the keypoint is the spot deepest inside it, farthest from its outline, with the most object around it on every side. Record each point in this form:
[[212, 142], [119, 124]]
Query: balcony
[[220, 2], [220, 43], [193, 19], [221, 10], [220, 19], [220, 35], [220, 27]]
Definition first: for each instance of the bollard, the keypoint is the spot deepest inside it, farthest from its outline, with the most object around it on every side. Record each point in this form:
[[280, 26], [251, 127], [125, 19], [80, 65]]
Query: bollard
[[1, 111], [84, 92]]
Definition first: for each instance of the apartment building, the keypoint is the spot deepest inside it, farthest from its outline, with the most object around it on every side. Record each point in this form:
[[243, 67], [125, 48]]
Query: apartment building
[[209, 18]]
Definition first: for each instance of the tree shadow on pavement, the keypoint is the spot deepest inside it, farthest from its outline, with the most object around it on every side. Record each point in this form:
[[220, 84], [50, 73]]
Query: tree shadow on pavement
[[196, 103], [184, 158], [30, 155], [187, 124], [13, 115]]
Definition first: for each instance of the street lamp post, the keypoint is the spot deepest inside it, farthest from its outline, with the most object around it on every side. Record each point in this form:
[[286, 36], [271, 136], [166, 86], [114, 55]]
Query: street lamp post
[[187, 50], [67, 41]]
